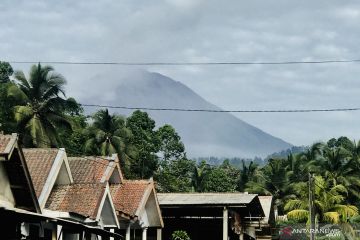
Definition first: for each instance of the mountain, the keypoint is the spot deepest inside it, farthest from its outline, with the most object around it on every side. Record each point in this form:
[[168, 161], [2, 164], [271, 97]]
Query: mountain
[[204, 134]]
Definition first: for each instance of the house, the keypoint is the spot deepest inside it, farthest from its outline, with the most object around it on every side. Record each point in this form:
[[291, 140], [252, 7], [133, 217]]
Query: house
[[61, 197], [48, 167], [135, 201], [138, 199], [17, 194], [211, 215], [22, 215], [46, 195], [89, 203]]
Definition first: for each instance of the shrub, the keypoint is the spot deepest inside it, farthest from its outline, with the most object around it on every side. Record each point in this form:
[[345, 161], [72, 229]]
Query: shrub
[[180, 235]]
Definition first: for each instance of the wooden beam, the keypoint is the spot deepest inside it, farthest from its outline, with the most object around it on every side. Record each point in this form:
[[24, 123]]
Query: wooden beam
[[225, 223], [17, 187]]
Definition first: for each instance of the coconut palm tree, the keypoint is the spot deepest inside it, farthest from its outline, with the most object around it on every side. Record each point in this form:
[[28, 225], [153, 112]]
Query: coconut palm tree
[[273, 179], [330, 204], [198, 176], [340, 166], [108, 135], [247, 173], [40, 108]]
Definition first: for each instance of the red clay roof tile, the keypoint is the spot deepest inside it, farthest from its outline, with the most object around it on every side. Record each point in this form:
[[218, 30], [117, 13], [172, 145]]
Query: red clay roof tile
[[88, 169], [40, 161], [4, 141], [127, 196], [83, 199]]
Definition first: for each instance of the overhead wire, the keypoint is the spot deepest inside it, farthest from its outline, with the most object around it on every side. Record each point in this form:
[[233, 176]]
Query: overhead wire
[[208, 63], [222, 111], [175, 109]]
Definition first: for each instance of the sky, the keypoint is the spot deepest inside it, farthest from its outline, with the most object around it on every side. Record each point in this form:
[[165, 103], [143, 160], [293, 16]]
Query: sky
[[206, 31]]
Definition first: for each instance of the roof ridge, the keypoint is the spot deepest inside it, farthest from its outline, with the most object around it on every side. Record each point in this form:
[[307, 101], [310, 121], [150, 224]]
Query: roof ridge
[[210, 193], [109, 158], [137, 180], [43, 148]]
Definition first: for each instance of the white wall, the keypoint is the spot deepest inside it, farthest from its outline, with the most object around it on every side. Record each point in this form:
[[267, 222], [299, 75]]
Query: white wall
[[6, 196]]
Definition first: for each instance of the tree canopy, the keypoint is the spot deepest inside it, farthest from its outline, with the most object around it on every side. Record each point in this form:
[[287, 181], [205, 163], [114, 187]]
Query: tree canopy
[[40, 106], [37, 108]]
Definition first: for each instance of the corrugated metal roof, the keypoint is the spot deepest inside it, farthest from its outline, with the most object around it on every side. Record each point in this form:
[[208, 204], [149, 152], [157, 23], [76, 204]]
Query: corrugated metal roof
[[205, 198]]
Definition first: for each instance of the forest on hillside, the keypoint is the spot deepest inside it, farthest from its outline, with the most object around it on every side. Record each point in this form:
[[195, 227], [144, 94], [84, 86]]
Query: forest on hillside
[[35, 105]]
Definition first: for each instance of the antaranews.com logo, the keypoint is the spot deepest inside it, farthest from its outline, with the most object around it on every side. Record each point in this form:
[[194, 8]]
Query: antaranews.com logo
[[303, 231]]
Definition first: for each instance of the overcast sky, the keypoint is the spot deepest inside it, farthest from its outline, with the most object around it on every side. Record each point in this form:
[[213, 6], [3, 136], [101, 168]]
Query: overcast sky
[[208, 30]]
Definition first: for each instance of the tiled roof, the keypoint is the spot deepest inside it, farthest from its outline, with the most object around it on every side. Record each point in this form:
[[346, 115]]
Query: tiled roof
[[127, 196], [88, 169], [4, 142], [40, 161], [83, 199]]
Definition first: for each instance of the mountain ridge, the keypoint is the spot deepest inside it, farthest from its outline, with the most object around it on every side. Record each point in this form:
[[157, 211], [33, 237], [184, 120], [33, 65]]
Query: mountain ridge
[[203, 133]]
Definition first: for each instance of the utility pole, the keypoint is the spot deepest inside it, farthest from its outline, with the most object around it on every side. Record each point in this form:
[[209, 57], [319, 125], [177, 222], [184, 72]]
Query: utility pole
[[311, 206]]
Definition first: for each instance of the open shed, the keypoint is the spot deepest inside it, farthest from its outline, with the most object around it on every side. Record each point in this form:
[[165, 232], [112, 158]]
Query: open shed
[[210, 215]]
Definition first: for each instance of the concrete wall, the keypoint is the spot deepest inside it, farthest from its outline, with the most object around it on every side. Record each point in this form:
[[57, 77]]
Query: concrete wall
[[6, 196]]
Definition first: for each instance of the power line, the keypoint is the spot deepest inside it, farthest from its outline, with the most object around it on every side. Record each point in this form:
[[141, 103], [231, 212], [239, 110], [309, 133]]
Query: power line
[[223, 111], [187, 63]]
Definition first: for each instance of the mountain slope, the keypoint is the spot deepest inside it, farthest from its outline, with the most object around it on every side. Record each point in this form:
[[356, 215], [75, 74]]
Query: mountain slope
[[204, 134]]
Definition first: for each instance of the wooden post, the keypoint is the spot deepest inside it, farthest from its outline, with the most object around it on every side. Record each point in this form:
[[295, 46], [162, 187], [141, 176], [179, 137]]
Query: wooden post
[[59, 232], [311, 206], [113, 231], [127, 236], [158, 234], [225, 223], [144, 233]]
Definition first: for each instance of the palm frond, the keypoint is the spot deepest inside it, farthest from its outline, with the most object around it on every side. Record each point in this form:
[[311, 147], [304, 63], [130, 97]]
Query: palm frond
[[346, 211], [348, 230], [104, 148], [58, 119], [22, 115], [51, 132], [331, 217], [321, 205], [338, 189], [298, 215], [295, 204], [100, 136], [54, 104], [20, 76], [90, 146], [38, 133], [50, 92], [16, 93]]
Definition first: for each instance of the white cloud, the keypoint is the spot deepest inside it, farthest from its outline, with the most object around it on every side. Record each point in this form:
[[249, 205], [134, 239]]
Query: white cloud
[[189, 30], [348, 13], [185, 4]]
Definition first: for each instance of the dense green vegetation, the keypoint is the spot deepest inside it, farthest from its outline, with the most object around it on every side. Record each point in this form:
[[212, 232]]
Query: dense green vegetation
[[180, 235], [37, 108], [335, 165]]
